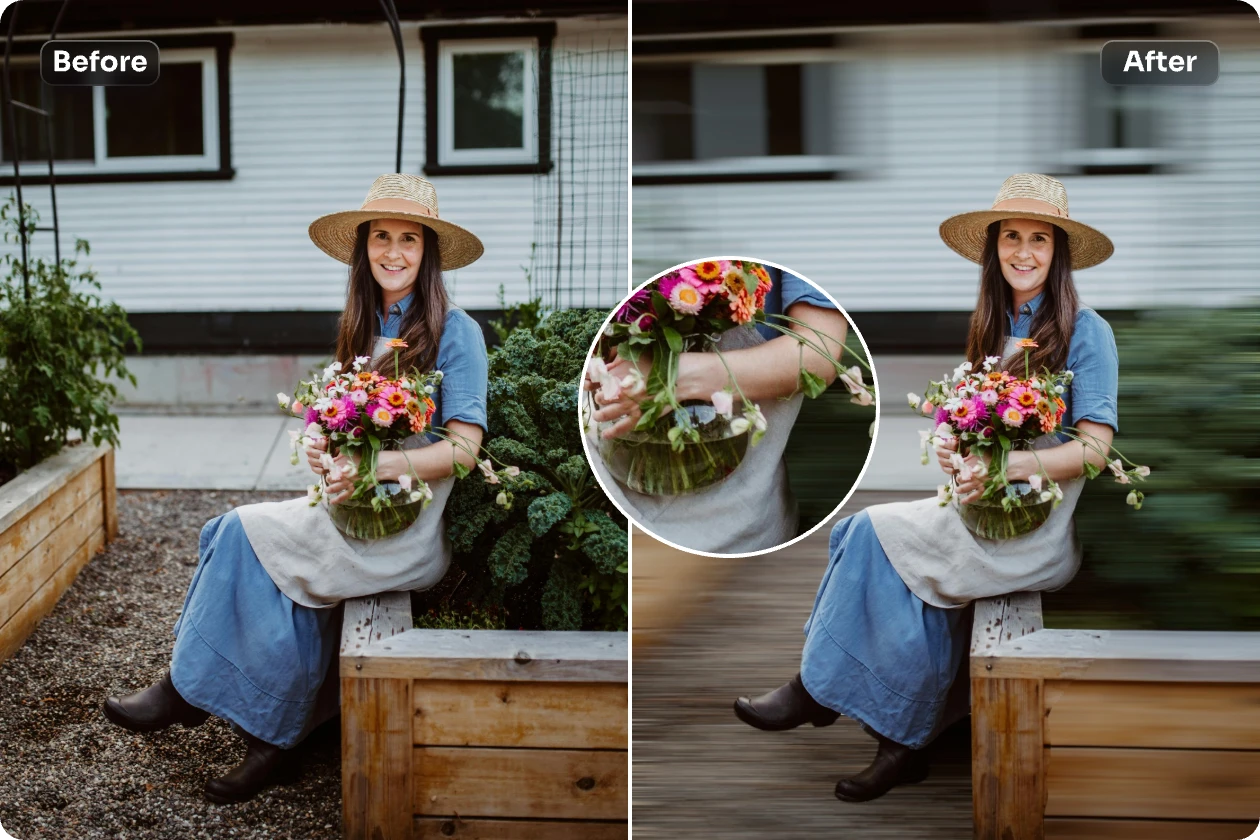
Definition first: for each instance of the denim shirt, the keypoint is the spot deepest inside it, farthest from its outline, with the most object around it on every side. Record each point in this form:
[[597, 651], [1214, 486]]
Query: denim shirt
[[461, 358], [786, 290], [1093, 360]]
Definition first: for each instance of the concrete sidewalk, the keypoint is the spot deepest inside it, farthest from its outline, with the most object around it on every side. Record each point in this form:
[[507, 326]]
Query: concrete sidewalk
[[213, 445]]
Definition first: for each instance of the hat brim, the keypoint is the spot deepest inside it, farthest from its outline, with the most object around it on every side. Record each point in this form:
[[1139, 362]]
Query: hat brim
[[335, 235], [966, 232]]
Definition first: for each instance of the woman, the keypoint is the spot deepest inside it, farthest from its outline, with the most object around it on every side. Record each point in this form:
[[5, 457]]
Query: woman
[[888, 634], [258, 634], [753, 509]]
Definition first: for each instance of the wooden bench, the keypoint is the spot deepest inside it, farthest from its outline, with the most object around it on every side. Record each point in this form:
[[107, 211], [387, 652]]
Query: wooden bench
[[477, 734], [1111, 734]]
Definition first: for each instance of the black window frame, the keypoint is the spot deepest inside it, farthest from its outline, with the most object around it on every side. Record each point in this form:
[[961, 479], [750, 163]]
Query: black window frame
[[431, 37], [221, 43]]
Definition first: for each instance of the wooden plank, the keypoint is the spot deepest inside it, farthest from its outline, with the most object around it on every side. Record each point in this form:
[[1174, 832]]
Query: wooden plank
[[23, 580], [1126, 655], [23, 535], [1058, 828], [1006, 757], [520, 714], [15, 631], [1004, 619], [370, 620], [499, 655], [109, 494], [442, 828], [1180, 715], [376, 760], [1152, 784], [29, 489], [538, 784]]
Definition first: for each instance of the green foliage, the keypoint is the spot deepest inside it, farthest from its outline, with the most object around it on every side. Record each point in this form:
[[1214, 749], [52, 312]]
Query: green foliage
[[59, 346], [466, 617], [557, 558], [1190, 409]]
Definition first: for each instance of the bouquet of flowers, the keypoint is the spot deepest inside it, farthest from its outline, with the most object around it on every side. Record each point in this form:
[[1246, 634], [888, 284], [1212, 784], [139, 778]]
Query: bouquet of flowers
[[680, 447], [990, 413], [362, 413]]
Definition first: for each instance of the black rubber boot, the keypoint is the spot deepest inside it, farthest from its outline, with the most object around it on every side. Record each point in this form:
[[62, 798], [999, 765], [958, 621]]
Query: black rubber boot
[[894, 764], [787, 707], [153, 709], [257, 771]]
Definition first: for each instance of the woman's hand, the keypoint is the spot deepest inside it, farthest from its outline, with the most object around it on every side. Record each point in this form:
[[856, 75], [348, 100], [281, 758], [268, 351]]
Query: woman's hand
[[623, 400], [943, 453], [968, 481], [346, 469], [313, 454]]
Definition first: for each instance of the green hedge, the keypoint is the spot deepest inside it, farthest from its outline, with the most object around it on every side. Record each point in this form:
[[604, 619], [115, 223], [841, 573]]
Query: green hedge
[[1190, 409]]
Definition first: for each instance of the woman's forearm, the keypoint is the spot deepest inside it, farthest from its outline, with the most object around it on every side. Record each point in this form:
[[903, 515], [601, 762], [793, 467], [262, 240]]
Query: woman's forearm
[[1065, 461], [435, 461], [770, 370]]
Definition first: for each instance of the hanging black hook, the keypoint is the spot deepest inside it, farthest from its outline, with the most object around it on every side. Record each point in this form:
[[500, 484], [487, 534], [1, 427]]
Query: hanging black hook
[[391, 15]]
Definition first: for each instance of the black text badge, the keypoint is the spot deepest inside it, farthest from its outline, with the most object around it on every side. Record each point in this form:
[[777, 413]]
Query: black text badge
[[1160, 62], [99, 62]]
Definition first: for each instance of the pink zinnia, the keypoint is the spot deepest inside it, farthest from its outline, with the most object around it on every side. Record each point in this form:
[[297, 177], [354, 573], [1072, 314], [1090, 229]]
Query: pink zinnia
[[637, 304], [349, 413], [969, 414], [942, 416], [1024, 398], [312, 416], [394, 398], [333, 415]]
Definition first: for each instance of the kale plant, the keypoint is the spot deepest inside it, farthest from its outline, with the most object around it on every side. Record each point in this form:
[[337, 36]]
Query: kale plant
[[556, 556]]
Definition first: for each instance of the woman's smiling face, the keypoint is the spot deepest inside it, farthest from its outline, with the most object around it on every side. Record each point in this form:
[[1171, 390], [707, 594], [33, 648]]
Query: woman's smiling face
[[394, 249], [1024, 248]]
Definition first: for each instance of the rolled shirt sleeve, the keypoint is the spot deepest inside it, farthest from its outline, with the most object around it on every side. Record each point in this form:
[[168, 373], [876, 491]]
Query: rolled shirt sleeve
[[465, 371], [1095, 365]]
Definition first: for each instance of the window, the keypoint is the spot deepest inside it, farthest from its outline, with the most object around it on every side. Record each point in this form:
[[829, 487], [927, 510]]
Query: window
[[1118, 126], [733, 116], [488, 99], [172, 129]]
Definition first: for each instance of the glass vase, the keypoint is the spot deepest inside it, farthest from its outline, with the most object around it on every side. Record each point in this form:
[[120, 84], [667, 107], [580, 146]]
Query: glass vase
[[989, 520], [357, 519]]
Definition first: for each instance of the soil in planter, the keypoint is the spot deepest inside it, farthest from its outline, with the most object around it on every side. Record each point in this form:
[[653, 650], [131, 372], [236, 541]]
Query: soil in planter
[[6, 474]]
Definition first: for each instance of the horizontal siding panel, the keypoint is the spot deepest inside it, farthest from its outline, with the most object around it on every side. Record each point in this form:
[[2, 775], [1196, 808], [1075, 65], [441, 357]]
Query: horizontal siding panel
[[936, 130], [314, 113]]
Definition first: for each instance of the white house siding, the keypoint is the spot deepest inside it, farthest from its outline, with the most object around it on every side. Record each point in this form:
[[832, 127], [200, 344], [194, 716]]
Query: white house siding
[[935, 119], [313, 117]]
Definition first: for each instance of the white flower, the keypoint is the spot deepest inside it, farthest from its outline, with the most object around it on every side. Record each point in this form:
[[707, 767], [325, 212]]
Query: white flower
[[404, 481], [294, 435], [1143, 471], [283, 399], [852, 379], [415, 496], [312, 493], [943, 494], [633, 380], [1132, 498], [739, 425], [991, 361], [722, 402], [359, 396], [862, 397], [487, 470], [428, 389], [961, 467], [1034, 481], [754, 415], [512, 472], [360, 361], [944, 430], [989, 397], [313, 430], [927, 407], [1058, 389], [913, 399], [924, 437], [501, 499], [334, 470]]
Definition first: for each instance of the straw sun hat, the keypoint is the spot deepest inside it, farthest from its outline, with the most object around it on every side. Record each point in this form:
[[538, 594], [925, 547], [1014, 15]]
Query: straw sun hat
[[396, 196], [1027, 196]]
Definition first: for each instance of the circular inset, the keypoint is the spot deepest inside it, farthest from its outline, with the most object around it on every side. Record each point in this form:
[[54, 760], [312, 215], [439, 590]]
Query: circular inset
[[695, 402]]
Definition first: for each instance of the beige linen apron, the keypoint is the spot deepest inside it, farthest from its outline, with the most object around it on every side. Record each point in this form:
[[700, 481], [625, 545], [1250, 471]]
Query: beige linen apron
[[317, 566], [751, 509], [947, 566]]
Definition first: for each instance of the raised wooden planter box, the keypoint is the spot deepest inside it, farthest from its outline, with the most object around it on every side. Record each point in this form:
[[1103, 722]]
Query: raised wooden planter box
[[513, 735], [1114, 734], [53, 518]]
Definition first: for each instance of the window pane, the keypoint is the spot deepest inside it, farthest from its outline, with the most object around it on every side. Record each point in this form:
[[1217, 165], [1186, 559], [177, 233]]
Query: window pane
[[662, 112], [71, 125], [164, 118], [730, 116], [489, 101], [1117, 117], [783, 109]]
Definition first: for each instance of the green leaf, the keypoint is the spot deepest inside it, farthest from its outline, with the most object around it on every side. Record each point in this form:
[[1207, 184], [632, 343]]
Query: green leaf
[[673, 337], [1005, 442], [461, 470], [812, 384]]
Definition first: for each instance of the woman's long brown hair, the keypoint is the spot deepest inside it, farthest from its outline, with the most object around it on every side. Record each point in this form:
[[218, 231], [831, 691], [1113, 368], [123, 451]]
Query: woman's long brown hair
[[1052, 324], [421, 324]]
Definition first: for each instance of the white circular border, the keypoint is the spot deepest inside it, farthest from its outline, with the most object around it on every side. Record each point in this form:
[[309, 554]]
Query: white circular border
[[870, 452]]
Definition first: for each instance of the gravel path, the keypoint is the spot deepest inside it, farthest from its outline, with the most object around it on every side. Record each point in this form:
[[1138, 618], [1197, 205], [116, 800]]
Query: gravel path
[[68, 773]]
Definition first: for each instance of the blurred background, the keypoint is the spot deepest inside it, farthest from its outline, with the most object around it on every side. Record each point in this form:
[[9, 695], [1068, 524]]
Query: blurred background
[[835, 141]]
